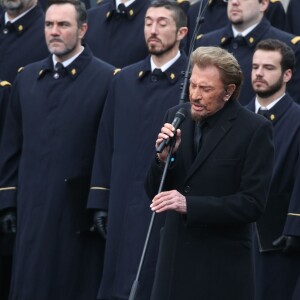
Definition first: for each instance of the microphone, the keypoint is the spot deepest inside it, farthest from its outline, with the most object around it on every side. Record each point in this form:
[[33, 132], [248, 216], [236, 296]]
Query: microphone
[[178, 119]]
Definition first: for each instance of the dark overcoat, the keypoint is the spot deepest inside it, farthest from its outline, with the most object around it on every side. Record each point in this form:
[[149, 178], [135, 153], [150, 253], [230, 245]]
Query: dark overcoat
[[206, 253], [277, 273], [117, 37], [132, 117], [49, 137], [243, 50], [21, 43], [292, 17]]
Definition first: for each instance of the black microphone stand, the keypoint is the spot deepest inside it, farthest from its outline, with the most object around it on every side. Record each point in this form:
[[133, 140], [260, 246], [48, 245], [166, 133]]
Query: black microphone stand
[[167, 163], [199, 21], [183, 98]]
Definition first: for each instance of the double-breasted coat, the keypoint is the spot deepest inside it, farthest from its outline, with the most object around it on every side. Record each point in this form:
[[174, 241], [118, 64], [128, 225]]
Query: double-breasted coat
[[206, 253], [49, 137]]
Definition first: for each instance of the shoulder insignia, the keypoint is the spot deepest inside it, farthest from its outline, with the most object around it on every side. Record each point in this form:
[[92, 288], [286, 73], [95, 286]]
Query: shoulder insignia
[[116, 71], [199, 36], [5, 83], [295, 40], [20, 69]]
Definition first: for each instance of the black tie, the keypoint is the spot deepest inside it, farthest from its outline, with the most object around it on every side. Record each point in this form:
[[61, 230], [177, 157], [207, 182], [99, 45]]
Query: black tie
[[59, 70], [122, 8], [8, 27], [238, 41], [264, 112], [156, 75], [198, 134]]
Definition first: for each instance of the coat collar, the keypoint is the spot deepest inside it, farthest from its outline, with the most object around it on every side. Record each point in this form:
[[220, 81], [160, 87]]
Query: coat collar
[[252, 38], [22, 24], [278, 110], [172, 73], [129, 12], [72, 70]]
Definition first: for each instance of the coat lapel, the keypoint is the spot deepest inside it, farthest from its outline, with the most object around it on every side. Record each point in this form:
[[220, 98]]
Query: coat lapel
[[214, 136]]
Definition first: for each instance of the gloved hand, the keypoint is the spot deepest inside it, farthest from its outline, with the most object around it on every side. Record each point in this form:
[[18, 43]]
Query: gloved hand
[[100, 222], [290, 244], [8, 221]]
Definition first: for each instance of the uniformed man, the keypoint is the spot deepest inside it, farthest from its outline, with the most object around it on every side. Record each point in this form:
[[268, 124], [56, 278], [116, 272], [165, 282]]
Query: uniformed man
[[48, 143], [138, 98], [5, 245], [292, 17], [22, 38], [247, 27], [277, 248], [216, 10]]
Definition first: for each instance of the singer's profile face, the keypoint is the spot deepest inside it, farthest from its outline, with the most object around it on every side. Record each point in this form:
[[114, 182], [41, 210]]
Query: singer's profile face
[[160, 30], [207, 92]]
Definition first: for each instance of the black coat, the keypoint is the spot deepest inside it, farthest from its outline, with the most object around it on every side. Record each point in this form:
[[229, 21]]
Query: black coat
[[22, 43], [49, 137], [133, 115], [118, 38], [292, 17], [243, 51], [206, 253]]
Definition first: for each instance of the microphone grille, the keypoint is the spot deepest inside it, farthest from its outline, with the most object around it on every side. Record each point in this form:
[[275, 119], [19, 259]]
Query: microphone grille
[[181, 113]]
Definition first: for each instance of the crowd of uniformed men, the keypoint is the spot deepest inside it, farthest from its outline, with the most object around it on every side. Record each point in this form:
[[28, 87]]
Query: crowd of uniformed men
[[49, 137]]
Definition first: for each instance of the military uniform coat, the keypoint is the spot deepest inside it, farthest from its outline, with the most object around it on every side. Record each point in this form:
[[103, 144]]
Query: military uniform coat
[[132, 118], [50, 135], [277, 273], [243, 50], [206, 253], [21, 43], [118, 37]]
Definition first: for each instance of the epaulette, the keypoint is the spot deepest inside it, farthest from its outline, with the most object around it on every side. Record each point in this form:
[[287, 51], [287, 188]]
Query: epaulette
[[295, 40], [273, 1], [5, 83], [199, 37], [116, 71], [20, 69]]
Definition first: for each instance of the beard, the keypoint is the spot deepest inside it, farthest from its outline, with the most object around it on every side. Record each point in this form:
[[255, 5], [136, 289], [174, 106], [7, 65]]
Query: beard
[[272, 89], [164, 49]]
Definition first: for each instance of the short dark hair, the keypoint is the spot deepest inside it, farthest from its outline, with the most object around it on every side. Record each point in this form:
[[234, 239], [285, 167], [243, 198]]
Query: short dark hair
[[288, 59], [79, 7], [179, 14]]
